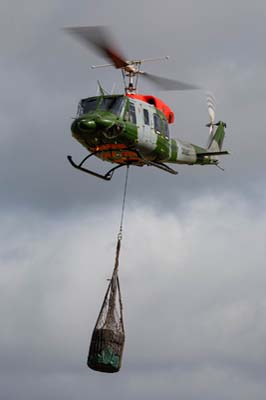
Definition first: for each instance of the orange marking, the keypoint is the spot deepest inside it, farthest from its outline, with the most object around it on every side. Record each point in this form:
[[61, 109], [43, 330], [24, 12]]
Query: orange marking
[[104, 147], [120, 156], [170, 116]]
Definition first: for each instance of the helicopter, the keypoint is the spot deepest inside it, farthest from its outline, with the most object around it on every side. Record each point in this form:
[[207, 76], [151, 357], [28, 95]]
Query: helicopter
[[132, 128]]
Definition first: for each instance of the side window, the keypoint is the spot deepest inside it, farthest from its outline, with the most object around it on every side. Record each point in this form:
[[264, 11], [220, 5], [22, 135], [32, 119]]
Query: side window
[[146, 117], [166, 129], [132, 113], [157, 123]]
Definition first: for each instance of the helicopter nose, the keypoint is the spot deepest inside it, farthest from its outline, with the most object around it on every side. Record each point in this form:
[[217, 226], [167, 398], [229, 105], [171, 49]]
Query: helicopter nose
[[104, 122], [86, 124]]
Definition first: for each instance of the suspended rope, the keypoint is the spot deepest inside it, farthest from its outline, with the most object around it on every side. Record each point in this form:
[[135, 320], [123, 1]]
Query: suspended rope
[[114, 283], [123, 205], [108, 337]]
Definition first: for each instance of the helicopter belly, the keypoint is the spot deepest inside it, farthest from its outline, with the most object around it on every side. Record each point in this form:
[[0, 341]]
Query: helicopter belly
[[117, 153]]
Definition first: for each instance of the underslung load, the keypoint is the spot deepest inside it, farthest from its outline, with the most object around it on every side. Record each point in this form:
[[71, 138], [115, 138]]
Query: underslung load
[[108, 338]]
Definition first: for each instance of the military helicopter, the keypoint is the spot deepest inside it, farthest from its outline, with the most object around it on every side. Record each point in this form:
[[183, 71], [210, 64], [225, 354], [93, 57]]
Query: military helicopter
[[132, 128]]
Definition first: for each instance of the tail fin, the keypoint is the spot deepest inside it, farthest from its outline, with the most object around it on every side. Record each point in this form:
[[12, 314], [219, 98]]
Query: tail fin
[[217, 138]]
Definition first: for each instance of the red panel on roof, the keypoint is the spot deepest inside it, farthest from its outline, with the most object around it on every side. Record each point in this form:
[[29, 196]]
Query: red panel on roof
[[170, 116]]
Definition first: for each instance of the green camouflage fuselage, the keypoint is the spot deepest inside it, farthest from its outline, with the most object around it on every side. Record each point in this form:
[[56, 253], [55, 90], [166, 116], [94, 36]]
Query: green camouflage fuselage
[[123, 130]]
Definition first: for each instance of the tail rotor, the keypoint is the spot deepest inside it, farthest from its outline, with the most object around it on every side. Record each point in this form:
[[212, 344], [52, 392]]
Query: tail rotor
[[211, 103]]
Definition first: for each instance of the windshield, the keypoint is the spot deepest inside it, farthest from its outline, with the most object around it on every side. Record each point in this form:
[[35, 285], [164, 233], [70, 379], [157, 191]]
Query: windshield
[[112, 104]]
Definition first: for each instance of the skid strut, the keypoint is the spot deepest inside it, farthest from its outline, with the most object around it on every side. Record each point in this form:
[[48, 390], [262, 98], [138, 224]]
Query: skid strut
[[106, 177], [162, 166], [157, 164]]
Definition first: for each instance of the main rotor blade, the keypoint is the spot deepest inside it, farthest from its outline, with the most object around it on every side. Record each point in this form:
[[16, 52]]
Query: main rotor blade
[[169, 84], [98, 37]]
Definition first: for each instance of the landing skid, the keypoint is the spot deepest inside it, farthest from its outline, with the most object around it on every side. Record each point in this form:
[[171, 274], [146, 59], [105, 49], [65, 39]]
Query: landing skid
[[107, 177]]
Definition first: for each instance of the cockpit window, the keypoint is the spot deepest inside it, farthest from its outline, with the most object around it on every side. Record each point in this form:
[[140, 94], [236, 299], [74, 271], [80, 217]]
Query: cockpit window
[[87, 105], [112, 104]]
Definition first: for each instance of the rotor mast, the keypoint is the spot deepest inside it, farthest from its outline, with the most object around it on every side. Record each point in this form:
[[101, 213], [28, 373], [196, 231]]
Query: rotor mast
[[131, 71]]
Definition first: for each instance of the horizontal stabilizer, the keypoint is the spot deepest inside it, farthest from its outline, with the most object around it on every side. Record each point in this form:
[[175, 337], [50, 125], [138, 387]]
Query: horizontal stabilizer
[[213, 153]]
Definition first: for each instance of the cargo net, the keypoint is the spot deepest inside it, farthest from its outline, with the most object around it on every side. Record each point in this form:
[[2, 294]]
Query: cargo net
[[107, 342]]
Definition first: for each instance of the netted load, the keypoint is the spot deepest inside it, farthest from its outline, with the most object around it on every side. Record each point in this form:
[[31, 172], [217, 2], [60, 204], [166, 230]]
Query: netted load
[[108, 338]]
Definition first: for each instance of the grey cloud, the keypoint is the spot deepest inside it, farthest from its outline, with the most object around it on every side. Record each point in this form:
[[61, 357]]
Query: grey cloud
[[193, 255], [193, 292], [45, 73]]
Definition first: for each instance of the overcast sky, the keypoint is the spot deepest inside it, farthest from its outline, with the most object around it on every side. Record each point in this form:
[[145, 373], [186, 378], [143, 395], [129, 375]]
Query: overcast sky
[[193, 255]]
